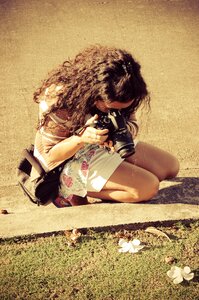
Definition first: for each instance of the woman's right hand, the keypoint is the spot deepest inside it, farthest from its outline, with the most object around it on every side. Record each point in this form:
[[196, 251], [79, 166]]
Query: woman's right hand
[[92, 135]]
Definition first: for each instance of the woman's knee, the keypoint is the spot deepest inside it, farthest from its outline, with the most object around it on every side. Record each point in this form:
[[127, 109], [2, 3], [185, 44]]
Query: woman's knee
[[147, 191], [171, 170]]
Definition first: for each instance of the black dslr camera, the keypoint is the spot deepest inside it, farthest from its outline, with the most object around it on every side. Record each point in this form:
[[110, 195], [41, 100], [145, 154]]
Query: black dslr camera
[[118, 132]]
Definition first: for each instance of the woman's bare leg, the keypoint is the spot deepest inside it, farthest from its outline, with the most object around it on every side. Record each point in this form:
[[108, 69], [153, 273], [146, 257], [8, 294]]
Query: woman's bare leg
[[157, 161], [137, 178], [129, 183]]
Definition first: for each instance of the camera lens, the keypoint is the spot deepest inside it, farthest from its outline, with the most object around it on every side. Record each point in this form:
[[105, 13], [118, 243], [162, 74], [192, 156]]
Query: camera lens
[[126, 150]]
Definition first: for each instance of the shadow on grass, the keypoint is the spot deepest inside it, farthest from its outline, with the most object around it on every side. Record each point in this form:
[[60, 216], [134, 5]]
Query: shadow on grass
[[196, 275], [180, 190], [195, 279]]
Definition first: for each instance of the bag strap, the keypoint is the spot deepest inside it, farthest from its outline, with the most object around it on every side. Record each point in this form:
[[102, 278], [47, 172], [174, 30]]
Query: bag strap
[[33, 161]]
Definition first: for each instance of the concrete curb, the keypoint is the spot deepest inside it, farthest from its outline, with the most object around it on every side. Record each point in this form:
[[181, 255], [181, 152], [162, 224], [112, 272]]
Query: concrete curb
[[47, 220]]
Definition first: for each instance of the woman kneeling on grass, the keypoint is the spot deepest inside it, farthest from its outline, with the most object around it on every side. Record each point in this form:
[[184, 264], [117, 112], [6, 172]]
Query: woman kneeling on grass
[[75, 101]]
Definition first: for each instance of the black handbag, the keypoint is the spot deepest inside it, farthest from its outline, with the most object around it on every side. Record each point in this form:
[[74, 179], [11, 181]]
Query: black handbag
[[44, 188]]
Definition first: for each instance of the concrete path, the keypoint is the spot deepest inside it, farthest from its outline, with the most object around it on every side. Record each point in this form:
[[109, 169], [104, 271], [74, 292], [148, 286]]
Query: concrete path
[[163, 36], [25, 218]]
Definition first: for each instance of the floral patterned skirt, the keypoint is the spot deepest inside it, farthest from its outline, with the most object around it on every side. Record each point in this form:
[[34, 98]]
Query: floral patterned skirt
[[87, 171]]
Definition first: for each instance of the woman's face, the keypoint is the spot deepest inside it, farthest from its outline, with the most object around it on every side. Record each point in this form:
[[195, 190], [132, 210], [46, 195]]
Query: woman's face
[[105, 107]]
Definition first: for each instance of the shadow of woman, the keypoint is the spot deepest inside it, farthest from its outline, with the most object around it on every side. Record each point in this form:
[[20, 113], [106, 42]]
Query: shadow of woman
[[178, 190]]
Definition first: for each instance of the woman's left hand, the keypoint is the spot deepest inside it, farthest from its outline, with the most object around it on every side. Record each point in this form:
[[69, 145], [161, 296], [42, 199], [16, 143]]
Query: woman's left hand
[[109, 145], [92, 135]]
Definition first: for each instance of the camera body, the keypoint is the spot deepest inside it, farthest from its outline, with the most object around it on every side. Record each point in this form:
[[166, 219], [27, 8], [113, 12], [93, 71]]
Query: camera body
[[118, 131]]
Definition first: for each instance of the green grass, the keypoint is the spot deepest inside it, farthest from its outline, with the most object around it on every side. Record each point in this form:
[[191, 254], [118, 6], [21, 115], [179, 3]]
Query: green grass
[[48, 268]]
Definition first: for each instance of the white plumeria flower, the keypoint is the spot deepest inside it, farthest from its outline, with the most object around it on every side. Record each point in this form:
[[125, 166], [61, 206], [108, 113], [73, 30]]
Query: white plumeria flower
[[131, 246], [178, 274]]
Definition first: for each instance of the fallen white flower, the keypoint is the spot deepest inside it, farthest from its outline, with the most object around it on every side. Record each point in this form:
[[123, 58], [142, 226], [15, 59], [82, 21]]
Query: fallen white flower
[[178, 274], [131, 246]]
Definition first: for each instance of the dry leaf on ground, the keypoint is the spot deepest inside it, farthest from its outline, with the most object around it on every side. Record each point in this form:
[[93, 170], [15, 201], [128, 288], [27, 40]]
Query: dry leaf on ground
[[3, 212], [157, 232], [72, 236]]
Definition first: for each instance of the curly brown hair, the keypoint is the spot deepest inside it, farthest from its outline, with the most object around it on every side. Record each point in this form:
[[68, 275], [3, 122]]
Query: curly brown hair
[[97, 73]]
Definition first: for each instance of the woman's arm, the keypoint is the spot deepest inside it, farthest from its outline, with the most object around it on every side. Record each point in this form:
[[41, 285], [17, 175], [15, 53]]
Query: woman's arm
[[69, 146], [65, 149]]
